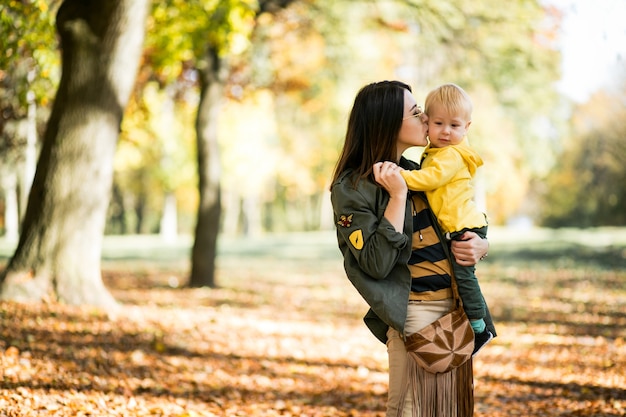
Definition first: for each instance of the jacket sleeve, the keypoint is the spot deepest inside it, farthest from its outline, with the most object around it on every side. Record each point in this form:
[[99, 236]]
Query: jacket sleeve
[[438, 172], [363, 232]]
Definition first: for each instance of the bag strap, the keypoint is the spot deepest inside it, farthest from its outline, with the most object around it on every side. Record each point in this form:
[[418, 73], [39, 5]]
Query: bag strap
[[455, 289]]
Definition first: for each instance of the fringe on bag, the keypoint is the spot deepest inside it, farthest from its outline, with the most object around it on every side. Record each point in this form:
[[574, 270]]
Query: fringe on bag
[[449, 394]]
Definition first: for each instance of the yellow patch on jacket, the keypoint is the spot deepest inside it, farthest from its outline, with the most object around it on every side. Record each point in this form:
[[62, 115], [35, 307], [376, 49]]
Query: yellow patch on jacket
[[356, 238]]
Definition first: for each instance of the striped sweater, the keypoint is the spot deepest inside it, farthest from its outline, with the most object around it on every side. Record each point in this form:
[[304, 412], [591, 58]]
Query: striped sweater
[[429, 263]]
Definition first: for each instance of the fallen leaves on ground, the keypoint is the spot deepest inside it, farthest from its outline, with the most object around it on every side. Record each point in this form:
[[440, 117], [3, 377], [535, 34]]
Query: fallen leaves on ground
[[286, 339]]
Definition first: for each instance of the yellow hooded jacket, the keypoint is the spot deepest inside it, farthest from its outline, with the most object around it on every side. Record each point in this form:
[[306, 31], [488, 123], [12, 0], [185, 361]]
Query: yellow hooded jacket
[[446, 175]]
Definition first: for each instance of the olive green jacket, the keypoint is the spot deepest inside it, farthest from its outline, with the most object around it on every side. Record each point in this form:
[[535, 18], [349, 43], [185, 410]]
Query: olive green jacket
[[375, 254]]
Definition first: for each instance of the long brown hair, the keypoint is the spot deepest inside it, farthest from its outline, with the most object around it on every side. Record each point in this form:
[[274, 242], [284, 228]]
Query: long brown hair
[[373, 127]]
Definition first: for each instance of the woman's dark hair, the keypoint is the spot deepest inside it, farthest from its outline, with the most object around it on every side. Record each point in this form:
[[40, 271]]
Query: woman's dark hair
[[373, 128]]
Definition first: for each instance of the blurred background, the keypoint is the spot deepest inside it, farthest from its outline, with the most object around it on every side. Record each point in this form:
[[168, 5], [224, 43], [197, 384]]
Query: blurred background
[[548, 81]]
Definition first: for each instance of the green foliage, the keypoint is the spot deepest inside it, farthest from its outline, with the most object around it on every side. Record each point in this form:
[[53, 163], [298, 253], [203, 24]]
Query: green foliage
[[315, 55], [291, 80], [157, 144], [29, 66], [28, 59], [180, 31], [157, 140], [586, 187]]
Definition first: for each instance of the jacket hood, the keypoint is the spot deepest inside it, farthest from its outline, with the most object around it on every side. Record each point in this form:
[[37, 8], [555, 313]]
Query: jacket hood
[[469, 155]]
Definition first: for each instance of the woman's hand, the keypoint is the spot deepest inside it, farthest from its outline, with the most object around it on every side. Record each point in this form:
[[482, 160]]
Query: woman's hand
[[470, 249], [387, 174]]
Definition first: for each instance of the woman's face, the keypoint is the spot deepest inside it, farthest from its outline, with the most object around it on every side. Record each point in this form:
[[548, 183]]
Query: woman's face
[[414, 127]]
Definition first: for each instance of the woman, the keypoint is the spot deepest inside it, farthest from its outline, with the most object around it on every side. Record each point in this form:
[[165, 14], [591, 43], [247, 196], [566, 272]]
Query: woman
[[393, 253]]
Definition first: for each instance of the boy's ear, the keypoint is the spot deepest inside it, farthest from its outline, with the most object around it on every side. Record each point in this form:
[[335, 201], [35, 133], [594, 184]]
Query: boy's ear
[[468, 125]]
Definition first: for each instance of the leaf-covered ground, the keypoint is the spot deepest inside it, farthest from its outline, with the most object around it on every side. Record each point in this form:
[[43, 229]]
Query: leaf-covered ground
[[283, 336]]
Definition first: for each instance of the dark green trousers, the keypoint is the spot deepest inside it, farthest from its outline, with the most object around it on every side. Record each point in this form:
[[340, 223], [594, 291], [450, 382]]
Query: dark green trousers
[[467, 283]]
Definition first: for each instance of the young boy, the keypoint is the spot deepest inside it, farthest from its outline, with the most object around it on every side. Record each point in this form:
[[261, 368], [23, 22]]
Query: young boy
[[447, 168]]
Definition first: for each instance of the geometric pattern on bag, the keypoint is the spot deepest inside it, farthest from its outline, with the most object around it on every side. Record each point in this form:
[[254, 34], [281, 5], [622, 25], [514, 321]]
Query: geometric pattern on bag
[[443, 345]]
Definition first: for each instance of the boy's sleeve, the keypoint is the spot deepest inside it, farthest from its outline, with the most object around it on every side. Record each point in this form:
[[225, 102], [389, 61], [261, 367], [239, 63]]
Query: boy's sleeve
[[364, 233], [439, 172]]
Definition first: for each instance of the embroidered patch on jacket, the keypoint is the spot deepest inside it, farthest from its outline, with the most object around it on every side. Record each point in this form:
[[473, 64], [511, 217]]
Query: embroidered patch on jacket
[[345, 221], [356, 238]]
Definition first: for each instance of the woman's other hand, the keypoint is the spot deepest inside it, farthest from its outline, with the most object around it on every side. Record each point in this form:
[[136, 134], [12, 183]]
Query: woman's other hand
[[470, 249]]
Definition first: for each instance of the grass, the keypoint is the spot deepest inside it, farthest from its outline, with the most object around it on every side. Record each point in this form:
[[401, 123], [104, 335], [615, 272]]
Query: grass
[[604, 247]]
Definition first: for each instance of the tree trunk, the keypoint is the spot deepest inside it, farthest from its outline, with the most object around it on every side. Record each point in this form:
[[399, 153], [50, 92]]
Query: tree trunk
[[209, 210], [59, 251]]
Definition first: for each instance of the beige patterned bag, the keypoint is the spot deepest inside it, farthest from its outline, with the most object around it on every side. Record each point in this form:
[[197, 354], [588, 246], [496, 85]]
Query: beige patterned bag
[[446, 343]]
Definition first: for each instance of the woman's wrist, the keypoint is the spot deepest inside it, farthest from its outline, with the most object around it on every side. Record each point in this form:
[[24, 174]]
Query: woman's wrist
[[401, 197]]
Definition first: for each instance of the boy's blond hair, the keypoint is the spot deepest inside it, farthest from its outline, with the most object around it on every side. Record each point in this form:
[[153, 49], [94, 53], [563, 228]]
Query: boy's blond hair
[[452, 99]]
